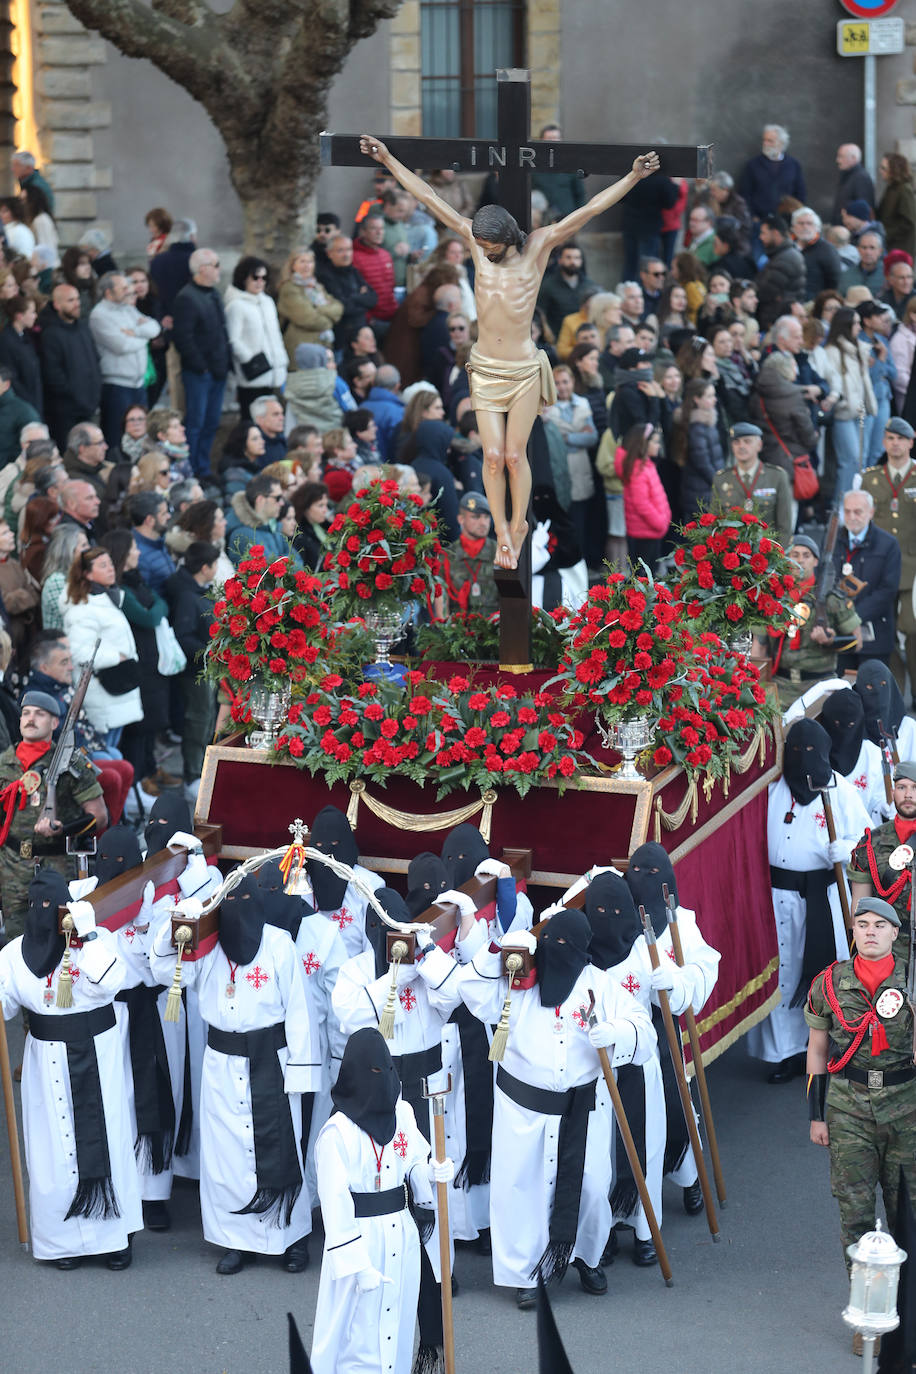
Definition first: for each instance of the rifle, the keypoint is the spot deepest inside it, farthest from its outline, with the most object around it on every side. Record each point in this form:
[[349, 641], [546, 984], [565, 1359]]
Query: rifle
[[827, 580], [65, 749], [888, 743]]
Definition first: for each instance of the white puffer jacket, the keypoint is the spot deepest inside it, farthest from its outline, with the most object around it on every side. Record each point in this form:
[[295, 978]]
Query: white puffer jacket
[[99, 618], [254, 328], [850, 362]]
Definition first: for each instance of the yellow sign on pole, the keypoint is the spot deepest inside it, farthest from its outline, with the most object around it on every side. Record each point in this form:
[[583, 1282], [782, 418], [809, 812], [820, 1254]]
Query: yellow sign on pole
[[862, 37], [853, 37]]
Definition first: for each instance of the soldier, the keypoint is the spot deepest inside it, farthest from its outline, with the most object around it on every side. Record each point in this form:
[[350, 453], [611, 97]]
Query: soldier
[[26, 837], [868, 1117], [892, 487], [469, 571], [808, 652], [754, 486], [879, 865]]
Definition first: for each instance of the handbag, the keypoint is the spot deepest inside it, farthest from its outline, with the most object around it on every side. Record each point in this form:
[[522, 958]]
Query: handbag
[[255, 367], [805, 485], [120, 678], [172, 658]]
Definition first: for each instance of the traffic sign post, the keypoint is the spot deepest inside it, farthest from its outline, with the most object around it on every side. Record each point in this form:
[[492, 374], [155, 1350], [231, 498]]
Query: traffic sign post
[[868, 9], [872, 36]]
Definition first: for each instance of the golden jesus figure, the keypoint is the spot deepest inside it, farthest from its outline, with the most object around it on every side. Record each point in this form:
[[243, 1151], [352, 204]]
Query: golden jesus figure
[[510, 378]]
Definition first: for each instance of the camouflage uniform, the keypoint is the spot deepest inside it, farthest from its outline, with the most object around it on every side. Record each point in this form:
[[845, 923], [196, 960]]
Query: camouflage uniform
[[901, 523], [810, 662], [883, 842], [23, 848], [770, 497], [872, 1130], [465, 570]]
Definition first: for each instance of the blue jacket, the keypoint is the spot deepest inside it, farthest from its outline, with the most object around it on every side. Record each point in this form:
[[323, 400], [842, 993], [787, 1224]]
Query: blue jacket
[[764, 183], [704, 458], [388, 410], [155, 565], [877, 562]]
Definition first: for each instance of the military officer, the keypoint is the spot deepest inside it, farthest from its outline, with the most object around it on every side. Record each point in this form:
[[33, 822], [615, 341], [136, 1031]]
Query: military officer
[[754, 486], [879, 866], [26, 837], [892, 487], [469, 567], [807, 652]]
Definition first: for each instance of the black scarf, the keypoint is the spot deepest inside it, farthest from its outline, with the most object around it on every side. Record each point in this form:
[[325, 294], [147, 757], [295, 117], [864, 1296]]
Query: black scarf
[[331, 834], [562, 954], [154, 1105], [367, 1087], [118, 851], [806, 756], [169, 813], [427, 879], [677, 1138], [463, 850], [881, 699], [648, 871], [377, 930], [42, 944], [843, 717], [612, 916], [478, 1097], [114, 596], [241, 921]]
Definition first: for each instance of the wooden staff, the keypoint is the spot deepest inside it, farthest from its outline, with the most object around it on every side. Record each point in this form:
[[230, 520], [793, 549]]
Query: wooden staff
[[674, 1045], [629, 1144], [12, 1130], [837, 868], [699, 1068], [445, 1264]]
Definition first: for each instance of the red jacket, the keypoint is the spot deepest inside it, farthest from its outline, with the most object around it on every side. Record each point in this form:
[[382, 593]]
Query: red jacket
[[645, 505], [377, 269]]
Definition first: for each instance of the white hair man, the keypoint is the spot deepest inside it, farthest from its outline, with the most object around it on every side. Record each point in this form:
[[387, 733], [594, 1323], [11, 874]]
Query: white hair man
[[872, 556], [24, 169], [772, 175], [202, 341], [121, 336], [822, 261], [853, 182]]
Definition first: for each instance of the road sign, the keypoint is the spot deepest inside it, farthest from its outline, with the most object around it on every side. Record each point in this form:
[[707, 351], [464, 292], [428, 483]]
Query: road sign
[[862, 37], [868, 9]]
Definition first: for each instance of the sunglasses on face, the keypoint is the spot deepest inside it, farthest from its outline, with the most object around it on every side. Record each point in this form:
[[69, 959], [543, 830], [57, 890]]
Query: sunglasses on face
[[259, 276]]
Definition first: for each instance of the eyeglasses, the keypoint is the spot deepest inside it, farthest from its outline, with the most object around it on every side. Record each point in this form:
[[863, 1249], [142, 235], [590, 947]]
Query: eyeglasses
[[259, 276], [457, 328], [656, 274]]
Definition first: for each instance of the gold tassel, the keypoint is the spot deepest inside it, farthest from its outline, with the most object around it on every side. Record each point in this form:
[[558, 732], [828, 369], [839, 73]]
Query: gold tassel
[[386, 1020], [173, 1001], [501, 1034], [65, 977], [357, 788]]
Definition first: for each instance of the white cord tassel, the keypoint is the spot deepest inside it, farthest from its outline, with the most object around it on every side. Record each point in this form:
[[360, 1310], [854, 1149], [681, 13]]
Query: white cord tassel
[[386, 1020], [173, 1001], [65, 977], [501, 1034]]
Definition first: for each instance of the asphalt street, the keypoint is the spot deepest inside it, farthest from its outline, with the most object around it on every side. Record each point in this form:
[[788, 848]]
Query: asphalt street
[[765, 1300]]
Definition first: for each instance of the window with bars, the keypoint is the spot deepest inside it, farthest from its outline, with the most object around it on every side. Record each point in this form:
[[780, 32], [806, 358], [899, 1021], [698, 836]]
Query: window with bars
[[463, 42]]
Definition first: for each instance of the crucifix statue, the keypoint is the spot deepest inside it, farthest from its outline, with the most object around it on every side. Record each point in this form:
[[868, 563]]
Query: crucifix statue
[[510, 378]]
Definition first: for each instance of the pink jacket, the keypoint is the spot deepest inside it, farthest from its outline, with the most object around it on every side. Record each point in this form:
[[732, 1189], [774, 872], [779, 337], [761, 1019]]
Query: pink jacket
[[645, 504]]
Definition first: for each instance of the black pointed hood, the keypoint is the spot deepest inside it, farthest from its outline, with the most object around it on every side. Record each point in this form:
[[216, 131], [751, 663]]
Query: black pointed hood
[[427, 879], [648, 871], [169, 813], [367, 1087], [843, 717], [880, 697], [331, 833], [377, 930], [241, 921], [463, 850], [118, 851], [562, 954], [280, 909], [806, 756], [42, 944], [612, 916]]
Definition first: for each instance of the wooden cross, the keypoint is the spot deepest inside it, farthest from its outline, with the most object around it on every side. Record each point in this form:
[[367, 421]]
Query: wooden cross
[[514, 156]]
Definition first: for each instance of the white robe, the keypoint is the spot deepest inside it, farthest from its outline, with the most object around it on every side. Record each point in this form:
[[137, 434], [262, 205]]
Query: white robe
[[523, 1166], [906, 740], [368, 1333], [350, 916], [867, 777], [320, 952], [47, 1108], [801, 845], [267, 991]]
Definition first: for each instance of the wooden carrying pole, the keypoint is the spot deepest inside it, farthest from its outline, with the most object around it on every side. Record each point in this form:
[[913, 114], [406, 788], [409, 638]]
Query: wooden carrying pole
[[445, 1265], [677, 1060], [629, 1144], [699, 1068], [837, 868], [12, 1130]]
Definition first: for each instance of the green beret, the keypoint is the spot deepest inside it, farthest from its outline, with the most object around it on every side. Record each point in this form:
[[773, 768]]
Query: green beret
[[905, 771]]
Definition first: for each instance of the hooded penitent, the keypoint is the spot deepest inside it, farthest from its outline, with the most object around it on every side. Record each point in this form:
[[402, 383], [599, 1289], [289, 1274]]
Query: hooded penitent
[[42, 944], [367, 1087], [884, 708], [612, 916], [562, 954], [463, 850], [118, 851], [169, 813], [377, 930], [806, 761], [648, 871], [280, 909], [843, 717], [331, 834], [241, 921], [427, 879]]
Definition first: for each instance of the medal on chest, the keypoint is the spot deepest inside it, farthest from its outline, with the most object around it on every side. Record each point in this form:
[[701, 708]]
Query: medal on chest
[[889, 1003], [475, 589], [31, 781], [230, 990], [847, 568], [901, 858], [895, 506], [748, 505]]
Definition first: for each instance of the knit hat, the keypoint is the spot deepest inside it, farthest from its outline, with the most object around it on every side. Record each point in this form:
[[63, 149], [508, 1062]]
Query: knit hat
[[858, 209], [309, 356]]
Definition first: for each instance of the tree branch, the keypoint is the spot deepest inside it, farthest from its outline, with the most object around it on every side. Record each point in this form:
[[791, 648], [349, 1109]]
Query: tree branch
[[188, 55], [184, 11]]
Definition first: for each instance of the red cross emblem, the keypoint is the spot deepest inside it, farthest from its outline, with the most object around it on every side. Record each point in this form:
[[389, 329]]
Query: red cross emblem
[[129, 933], [630, 984], [256, 977], [310, 963], [861, 782], [408, 999], [342, 917], [580, 1017], [400, 1145], [74, 972], [820, 818], [671, 955]]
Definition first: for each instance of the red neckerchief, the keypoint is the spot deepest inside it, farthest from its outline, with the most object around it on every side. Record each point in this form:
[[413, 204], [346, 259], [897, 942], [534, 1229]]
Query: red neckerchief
[[14, 796], [856, 1029], [748, 494], [472, 547], [904, 829], [29, 754], [871, 973]]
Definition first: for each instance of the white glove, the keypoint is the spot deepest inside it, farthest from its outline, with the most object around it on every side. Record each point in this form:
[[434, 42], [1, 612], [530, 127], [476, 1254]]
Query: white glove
[[83, 914], [840, 851], [442, 1172], [492, 868], [81, 887], [188, 906], [602, 1035], [195, 874], [370, 1278], [519, 939], [539, 551], [553, 910], [461, 900], [183, 840], [661, 979]]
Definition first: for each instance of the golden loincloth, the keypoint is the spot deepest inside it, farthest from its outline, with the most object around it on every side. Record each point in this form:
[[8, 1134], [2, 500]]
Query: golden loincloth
[[498, 385]]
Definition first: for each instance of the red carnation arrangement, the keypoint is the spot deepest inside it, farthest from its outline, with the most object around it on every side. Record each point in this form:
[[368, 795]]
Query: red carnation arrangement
[[734, 576], [383, 552]]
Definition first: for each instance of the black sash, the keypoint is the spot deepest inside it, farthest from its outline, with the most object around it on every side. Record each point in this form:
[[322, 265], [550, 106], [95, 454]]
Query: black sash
[[279, 1176], [631, 1084], [186, 1120], [95, 1196], [820, 944], [573, 1108], [154, 1105], [411, 1070], [478, 1098], [381, 1204], [677, 1138]]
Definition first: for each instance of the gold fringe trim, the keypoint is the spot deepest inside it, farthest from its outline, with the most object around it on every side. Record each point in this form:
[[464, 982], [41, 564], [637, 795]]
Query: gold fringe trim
[[752, 986], [757, 1015], [673, 820], [407, 820]]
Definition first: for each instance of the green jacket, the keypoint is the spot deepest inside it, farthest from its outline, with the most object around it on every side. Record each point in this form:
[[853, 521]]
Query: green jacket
[[77, 785], [799, 667], [853, 1001], [770, 498], [14, 414], [883, 843]]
